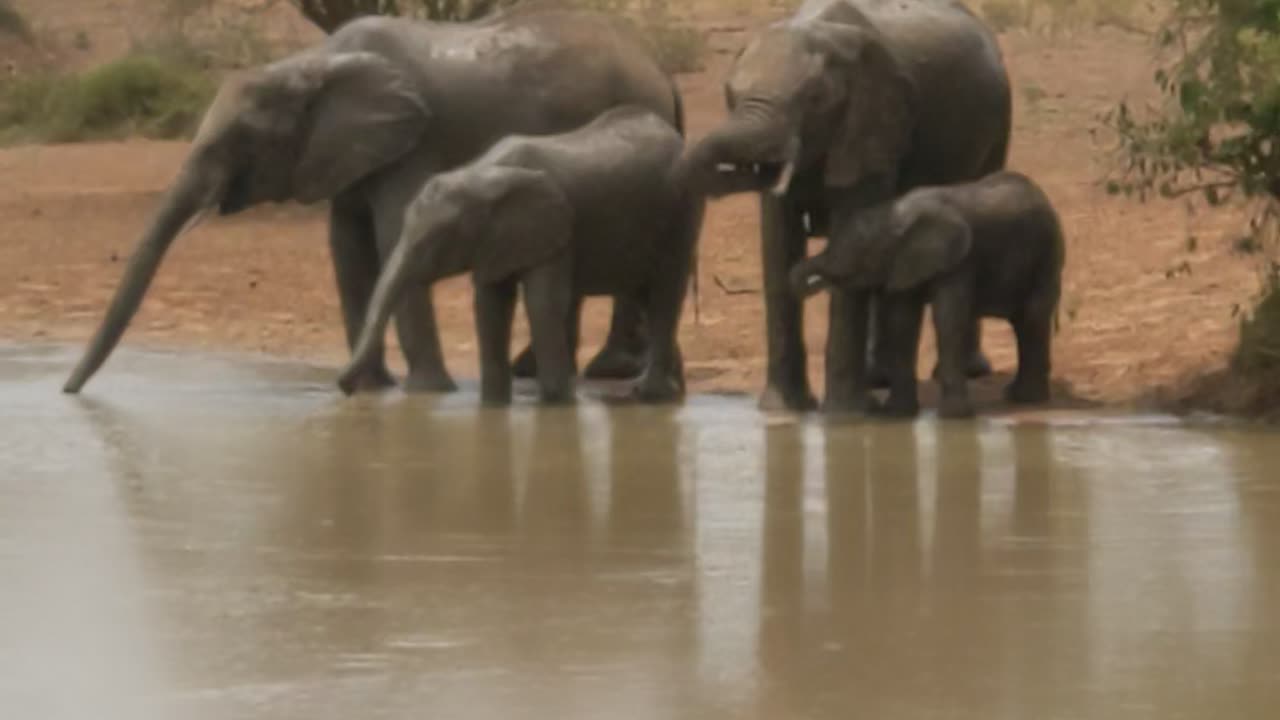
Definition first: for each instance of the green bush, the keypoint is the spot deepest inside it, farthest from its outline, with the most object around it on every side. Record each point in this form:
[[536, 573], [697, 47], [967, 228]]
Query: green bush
[[1213, 136], [137, 95], [1259, 345], [13, 23]]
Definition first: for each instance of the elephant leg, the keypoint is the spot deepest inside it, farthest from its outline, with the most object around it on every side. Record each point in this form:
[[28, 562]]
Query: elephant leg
[[879, 362], [783, 236], [977, 363], [846, 372], [495, 307], [415, 318], [900, 346], [548, 298], [354, 255], [625, 348], [663, 379], [1033, 329], [952, 323], [526, 363]]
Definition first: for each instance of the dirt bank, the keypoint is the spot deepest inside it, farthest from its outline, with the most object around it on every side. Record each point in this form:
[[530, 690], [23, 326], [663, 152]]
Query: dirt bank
[[262, 281]]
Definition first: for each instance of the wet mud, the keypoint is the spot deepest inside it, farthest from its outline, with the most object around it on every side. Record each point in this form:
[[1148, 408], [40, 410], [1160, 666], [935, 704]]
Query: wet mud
[[205, 537]]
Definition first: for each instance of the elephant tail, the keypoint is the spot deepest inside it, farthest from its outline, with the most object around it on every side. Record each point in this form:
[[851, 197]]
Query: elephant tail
[[678, 102]]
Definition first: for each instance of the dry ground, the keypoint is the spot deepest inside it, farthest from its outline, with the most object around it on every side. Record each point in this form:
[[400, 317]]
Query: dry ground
[[262, 282]]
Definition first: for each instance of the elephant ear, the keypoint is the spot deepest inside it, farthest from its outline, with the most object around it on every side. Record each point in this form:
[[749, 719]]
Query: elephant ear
[[874, 133], [932, 243], [359, 114], [530, 222]]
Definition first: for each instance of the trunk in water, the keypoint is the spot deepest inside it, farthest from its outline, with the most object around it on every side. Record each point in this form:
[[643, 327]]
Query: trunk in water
[[182, 206], [391, 286]]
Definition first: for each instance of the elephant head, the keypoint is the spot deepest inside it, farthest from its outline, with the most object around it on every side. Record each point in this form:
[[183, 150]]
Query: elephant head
[[493, 221], [301, 129], [886, 249], [823, 95]]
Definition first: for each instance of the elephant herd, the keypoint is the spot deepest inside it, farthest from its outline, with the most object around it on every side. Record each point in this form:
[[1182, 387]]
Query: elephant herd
[[542, 150]]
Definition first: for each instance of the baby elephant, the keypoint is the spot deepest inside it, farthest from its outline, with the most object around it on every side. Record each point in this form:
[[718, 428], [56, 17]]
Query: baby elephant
[[594, 211], [993, 247]]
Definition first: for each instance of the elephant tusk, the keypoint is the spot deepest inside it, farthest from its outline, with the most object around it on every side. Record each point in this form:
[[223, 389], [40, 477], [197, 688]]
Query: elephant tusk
[[784, 179], [788, 167]]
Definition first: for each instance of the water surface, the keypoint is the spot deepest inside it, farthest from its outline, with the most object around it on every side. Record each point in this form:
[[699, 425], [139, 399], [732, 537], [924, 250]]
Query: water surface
[[200, 537]]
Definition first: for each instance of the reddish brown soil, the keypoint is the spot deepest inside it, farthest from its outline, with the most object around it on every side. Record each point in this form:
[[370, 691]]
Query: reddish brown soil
[[262, 281]]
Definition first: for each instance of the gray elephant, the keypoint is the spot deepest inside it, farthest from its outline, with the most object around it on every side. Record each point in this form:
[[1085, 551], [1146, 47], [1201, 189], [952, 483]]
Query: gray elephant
[[846, 104], [364, 119], [988, 248], [594, 211]]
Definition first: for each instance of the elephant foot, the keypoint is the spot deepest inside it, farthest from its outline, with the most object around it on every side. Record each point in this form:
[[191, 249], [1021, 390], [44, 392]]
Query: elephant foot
[[525, 365], [877, 376], [352, 380], [1020, 392], [849, 403], [978, 367], [655, 389], [429, 382], [495, 400], [557, 397], [899, 408], [956, 407], [776, 398], [614, 363]]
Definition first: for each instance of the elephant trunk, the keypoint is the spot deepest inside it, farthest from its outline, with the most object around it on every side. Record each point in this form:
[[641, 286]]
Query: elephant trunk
[[182, 209], [391, 286], [809, 277], [751, 152]]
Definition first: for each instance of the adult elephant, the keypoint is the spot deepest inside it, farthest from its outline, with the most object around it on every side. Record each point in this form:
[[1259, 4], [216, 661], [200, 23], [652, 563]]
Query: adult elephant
[[842, 106], [365, 118]]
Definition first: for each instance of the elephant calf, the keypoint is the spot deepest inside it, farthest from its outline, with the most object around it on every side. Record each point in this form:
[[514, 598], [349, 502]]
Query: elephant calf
[[593, 211], [987, 248]]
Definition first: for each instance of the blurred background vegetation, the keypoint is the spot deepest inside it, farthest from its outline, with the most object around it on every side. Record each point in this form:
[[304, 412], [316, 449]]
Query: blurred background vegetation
[[1214, 137], [162, 85]]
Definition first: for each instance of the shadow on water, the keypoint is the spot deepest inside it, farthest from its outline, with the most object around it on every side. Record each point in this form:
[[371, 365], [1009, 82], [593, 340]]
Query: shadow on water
[[235, 541]]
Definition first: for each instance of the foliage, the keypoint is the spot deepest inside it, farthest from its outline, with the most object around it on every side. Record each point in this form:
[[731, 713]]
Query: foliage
[[1213, 136], [195, 33], [12, 22], [1055, 16], [140, 94], [1259, 346], [1214, 133]]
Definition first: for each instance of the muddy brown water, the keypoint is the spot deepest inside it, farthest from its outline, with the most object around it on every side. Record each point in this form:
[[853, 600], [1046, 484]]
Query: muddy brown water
[[202, 537]]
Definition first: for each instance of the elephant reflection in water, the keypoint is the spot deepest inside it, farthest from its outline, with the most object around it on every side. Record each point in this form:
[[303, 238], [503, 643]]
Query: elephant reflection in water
[[487, 533], [911, 612]]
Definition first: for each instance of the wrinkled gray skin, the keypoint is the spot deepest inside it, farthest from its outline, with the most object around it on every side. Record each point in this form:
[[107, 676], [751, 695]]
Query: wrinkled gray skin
[[845, 105], [364, 119], [990, 248], [590, 212]]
